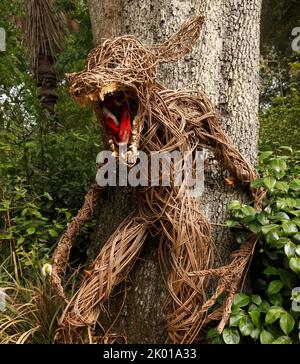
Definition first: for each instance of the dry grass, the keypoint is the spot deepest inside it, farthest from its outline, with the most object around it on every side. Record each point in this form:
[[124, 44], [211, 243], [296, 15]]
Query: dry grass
[[31, 312]]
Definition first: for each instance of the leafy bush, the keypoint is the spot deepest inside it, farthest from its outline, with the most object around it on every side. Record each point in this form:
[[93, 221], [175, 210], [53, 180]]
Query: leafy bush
[[44, 174], [29, 233], [280, 117], [271, 314]]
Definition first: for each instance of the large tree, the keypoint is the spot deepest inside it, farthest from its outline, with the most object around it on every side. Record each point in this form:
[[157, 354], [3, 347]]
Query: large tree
[[224, 64]]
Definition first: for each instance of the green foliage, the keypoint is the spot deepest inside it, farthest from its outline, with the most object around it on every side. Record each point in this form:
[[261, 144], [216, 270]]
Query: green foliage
[[278, 19], [267, 316], [280, 118], [29, 233], [79, 43], [44, 174]]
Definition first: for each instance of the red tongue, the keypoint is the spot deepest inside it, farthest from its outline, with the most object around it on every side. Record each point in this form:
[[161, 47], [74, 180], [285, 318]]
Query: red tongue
[[125, 127], [111, 121], [121, 132]]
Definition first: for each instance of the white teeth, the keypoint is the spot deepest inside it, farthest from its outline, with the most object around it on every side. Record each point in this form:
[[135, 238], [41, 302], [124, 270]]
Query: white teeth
[[112, 145], [135, 121], [107, 90], [109, 114], [92, 97]]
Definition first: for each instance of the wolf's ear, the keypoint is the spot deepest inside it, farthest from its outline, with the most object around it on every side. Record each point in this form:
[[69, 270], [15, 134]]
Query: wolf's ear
[[181, 42]]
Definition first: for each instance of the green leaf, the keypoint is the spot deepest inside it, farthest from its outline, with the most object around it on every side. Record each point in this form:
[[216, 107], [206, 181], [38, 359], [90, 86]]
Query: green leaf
[[274, 286], [68, 215], [272, 238], [231, 336], [294, 264], [282, 216], [232, 223], [281, 203], [31, 230], [278, 165], [235, 309], [288, 278], [295, 185], [217, 340], [289, 227], [273, 314], [252, 307], [279, 243], [259, 182], [248, 211], [212, 332], [255, 317], [286, 322], [265, 155], [255, 333], [256, 299], [241, 299], [53, 233], [20, 240], [255, 228], [234, 205], [268, 228], [272, 271], [282, 186], [270, 182], [283, 340], [266, 337], [262, 218], [265, 306], [284, 147], [276, 299], [296, 237], [235, 319], [290, 249], [48, 196], [246, 326]]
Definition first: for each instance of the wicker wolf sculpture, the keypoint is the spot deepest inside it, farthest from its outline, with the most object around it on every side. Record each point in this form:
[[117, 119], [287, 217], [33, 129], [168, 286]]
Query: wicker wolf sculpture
[[119, 82]]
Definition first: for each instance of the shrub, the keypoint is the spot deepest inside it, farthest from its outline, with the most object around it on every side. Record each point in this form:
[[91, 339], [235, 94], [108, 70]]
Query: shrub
[[271, 314]]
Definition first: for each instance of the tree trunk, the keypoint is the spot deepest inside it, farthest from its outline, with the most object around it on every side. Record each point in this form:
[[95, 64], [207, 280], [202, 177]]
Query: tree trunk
[[106, 19], [224, 64]]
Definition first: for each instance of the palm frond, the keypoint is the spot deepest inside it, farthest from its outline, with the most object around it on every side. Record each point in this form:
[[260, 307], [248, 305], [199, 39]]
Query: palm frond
[[45, 30]]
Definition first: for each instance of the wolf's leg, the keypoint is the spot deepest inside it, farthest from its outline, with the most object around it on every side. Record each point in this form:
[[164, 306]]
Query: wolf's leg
[[109, 268], [187, 247], [62, 251]]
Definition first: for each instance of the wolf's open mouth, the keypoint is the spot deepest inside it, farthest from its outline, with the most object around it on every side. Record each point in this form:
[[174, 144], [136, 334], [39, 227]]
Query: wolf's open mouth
[[119, 109]]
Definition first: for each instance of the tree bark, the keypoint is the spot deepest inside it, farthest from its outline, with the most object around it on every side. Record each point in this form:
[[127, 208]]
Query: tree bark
[[106, 19], [224, 64]]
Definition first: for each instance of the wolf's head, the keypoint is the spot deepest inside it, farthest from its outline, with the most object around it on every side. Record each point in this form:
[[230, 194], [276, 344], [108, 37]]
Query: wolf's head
[[119, 79]]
